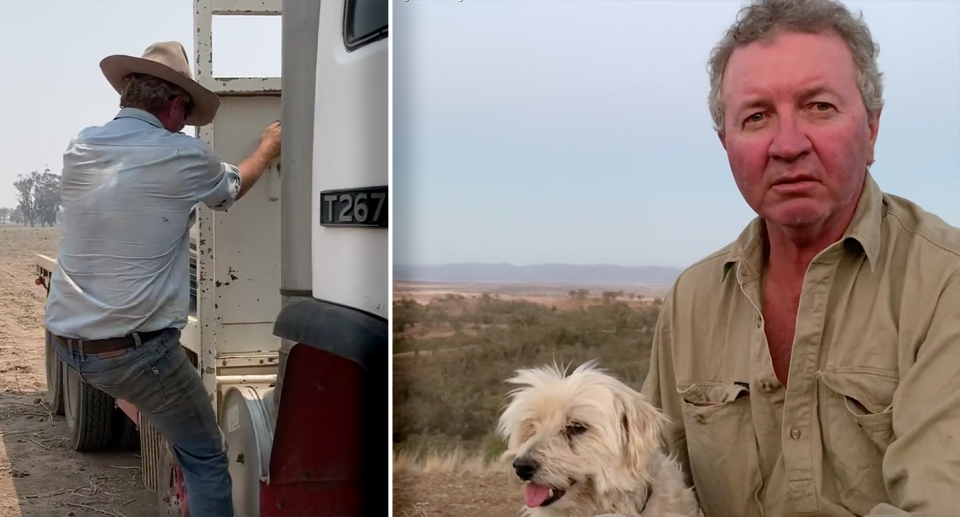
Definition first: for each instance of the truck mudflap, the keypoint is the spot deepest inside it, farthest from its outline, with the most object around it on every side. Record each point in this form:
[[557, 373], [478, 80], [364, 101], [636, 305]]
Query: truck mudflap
[[348, 333], [330, 451]]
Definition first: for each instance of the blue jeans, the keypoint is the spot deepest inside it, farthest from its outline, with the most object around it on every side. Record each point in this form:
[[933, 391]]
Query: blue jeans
[[158, 379]]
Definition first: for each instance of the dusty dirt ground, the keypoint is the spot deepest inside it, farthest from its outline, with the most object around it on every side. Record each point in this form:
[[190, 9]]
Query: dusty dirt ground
[[40, 475], [455, 494]]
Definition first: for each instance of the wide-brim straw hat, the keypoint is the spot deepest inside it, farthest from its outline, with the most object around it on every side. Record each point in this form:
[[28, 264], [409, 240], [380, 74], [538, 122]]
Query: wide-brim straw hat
[[166, 60]]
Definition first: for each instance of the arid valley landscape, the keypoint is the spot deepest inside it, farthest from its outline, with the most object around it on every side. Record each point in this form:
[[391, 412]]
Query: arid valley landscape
[[456, 342]]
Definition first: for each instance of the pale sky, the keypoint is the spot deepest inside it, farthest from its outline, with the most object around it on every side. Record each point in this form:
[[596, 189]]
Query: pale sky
[[577, 132], [524, 131], [52, 85]]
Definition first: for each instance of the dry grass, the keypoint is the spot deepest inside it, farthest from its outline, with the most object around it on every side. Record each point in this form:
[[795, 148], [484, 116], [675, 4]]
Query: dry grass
[[449, 387], [456, 461]]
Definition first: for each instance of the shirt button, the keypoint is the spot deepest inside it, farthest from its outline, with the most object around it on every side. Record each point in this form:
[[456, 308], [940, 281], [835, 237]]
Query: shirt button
[[795, 433], [766, 386]]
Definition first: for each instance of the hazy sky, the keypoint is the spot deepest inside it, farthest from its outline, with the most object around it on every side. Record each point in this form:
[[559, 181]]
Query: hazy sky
[[530, 132], [52, 85], [525, 132]]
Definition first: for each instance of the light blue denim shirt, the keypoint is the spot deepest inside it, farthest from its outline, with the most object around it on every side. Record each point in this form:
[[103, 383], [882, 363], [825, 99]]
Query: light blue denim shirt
[[128, 190]]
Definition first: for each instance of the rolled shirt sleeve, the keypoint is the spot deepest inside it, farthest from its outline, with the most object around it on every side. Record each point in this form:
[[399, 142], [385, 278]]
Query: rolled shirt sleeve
[[218, 184], [215, 182]]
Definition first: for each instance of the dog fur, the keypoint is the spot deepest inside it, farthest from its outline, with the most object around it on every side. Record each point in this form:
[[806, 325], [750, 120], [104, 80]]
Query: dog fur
[[594, 438]]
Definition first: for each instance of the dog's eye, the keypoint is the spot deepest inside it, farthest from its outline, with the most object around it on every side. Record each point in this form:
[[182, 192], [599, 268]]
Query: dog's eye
[[574, 429]]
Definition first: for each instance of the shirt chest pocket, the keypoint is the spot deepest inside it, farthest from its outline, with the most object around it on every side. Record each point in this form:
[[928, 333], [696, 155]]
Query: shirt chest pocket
[[722, 446], [856, 416]]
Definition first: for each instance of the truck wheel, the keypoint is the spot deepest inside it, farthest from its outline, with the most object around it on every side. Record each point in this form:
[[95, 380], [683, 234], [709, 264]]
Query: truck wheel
[[54, 377], [89, 413], [125, 435]]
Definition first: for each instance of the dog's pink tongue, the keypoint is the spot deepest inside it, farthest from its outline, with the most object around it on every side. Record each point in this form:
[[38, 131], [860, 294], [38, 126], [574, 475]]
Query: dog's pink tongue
[[536, 494]]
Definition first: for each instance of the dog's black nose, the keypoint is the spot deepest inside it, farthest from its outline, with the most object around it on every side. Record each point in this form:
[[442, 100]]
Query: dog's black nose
[[525, 467]]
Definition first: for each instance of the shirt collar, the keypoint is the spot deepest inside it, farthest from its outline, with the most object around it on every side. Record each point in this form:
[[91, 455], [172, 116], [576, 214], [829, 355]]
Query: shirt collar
[[139, 114], [864, 228]]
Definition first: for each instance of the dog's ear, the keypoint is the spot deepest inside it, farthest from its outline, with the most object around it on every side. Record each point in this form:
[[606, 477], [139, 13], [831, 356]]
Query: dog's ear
[[641, 428]]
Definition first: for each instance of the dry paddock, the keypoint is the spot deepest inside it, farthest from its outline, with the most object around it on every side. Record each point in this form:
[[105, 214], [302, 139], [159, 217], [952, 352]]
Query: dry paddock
[[40, 476], [454, 485]]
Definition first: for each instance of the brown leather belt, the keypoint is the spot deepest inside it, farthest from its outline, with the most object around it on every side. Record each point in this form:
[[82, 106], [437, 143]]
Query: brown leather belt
[[101, 346]]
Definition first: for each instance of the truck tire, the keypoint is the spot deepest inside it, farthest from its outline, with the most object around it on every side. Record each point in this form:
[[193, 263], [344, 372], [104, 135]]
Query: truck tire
[[124, 435], [54, 377], [88, 411]]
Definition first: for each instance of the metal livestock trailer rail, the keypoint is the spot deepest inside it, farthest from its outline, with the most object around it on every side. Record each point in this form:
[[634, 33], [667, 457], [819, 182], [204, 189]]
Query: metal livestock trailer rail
[[283, 299]]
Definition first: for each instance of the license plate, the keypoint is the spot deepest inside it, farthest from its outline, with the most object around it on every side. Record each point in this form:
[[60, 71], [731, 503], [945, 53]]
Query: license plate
[[363, 207]]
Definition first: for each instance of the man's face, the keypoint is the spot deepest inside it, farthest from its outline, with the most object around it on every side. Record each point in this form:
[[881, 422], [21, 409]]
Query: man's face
[[796, 132]]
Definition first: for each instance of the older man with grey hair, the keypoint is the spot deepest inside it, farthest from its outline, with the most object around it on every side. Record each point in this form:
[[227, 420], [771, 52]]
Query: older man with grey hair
[[120, 296], [812, 367]]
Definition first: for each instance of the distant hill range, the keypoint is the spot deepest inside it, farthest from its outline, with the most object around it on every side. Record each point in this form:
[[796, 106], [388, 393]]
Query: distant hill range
[[595, 275]]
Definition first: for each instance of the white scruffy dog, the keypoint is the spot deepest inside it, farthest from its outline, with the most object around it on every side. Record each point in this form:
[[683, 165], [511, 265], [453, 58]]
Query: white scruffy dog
[[587, 444]]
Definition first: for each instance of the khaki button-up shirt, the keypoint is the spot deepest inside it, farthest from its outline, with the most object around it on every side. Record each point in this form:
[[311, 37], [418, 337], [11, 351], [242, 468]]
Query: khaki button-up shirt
[[869, 422]]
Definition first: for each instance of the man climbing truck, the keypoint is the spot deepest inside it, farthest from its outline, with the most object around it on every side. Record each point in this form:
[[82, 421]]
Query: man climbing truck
[[117, 301], [287, 328]]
